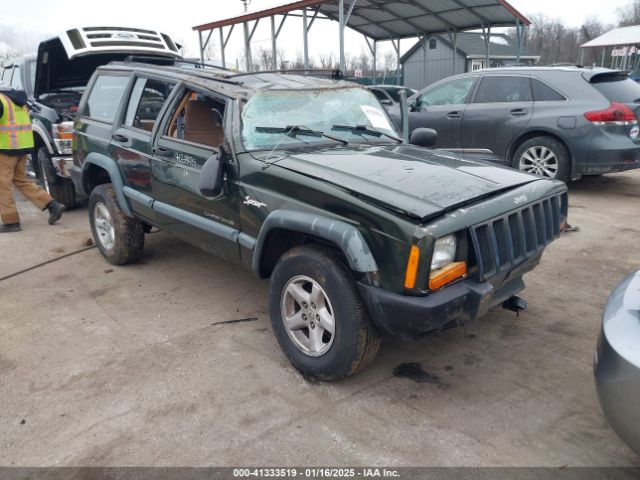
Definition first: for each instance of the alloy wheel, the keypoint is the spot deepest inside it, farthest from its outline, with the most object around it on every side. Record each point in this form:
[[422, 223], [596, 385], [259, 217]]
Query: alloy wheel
[[308, 316], [104, 226], [540, 161]]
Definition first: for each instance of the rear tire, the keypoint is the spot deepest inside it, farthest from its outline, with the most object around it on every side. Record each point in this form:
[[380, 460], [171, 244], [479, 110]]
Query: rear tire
[[120, 238], [61, 189], [329, 335], [545, 157]]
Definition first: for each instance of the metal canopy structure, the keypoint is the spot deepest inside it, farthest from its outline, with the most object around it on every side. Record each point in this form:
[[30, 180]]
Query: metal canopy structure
[[377, 20], [616, 37], [628, 38]]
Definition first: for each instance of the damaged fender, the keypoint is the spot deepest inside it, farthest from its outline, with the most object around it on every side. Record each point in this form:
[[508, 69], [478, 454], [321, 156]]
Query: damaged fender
[[345, 236], [111, 168]]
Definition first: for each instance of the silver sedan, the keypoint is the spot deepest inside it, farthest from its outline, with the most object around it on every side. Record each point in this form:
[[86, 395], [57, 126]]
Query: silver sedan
[[617, 361]]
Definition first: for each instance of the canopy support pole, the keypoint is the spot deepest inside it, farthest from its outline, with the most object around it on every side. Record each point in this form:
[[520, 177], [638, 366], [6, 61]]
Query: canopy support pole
[[274, 63], [373, 49], [203, 46], [247, 48], [519, 35], [222, 56], [396, 47], [247, 43], [343, 20], [223, 44], [341, 27], [305, 38], [486, 32], [453, 39]]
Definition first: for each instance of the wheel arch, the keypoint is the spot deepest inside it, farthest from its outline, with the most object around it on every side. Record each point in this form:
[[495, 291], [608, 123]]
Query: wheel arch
[[98, 169], [285, 229], [539, 132], [40, 137]]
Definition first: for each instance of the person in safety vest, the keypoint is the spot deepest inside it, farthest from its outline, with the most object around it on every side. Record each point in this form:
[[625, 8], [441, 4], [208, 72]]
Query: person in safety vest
[[16, 142]]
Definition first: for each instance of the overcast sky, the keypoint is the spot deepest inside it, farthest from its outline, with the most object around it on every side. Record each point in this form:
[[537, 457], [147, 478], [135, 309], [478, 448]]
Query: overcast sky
[[24, 23]]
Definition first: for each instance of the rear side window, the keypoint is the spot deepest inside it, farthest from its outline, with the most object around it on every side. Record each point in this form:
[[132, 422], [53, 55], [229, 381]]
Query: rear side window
[[495, 89], [105, 97], [544, 93], [146, 101], [617, 89]]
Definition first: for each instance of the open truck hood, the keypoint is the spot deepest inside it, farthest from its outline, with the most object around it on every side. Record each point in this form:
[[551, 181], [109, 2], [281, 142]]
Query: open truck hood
[[417, 181], [69, 60]]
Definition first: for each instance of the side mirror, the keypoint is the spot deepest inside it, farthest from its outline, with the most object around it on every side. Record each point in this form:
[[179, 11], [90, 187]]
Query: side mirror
[[423, 137], [210, 183], [386, 102]]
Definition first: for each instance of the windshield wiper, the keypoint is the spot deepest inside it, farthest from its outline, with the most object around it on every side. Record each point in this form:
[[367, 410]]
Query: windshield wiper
[[365, 130], [293, 130]]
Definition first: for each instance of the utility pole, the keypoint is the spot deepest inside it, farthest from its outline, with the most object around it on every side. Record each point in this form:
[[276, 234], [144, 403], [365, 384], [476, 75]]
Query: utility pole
[[246, 5]]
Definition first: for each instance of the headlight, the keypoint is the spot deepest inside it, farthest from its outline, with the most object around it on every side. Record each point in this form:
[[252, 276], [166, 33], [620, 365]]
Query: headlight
[[444, 252], [62, 136]]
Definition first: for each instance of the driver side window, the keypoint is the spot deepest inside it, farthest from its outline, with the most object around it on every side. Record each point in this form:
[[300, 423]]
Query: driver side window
[[198, 118], [455, 92]]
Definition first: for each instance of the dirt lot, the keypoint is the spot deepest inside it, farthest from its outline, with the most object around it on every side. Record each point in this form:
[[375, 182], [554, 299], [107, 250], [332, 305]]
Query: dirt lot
[[103, 365]]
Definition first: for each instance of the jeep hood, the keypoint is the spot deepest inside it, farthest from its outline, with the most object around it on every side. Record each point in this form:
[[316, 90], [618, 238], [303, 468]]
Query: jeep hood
[[418, 182]]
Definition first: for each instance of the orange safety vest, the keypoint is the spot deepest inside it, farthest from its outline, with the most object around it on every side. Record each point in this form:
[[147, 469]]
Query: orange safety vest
[[15, 126]]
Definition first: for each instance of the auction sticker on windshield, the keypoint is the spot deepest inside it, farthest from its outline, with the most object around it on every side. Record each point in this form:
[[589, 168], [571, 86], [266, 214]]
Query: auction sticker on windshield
[[376, 117]]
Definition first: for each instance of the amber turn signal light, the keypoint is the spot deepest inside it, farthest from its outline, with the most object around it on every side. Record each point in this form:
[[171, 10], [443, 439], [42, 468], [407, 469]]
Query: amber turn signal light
[[448, 274], [412, 267]]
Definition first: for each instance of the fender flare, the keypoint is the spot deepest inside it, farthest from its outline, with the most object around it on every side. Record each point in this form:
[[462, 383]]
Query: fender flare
[[38, 129], [345, 236], [111, 168]]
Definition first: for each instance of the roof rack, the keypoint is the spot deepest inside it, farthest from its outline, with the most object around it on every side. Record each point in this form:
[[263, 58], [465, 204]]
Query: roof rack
[[335, 74], [171, 61]]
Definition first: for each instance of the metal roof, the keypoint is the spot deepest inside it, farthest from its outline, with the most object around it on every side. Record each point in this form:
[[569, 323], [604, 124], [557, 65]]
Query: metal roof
[[393, 19], [618, 36]]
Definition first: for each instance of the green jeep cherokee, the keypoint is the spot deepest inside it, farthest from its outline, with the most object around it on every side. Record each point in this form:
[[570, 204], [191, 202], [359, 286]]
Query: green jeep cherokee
[[305, 181]]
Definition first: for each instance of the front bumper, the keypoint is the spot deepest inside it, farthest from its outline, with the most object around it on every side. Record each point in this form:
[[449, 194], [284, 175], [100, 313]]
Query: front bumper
[[407, 317], [617, 361], [62, 164]]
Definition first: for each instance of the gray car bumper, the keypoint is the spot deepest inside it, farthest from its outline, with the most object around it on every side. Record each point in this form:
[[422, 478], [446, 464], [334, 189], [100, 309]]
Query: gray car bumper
[[617, 361]]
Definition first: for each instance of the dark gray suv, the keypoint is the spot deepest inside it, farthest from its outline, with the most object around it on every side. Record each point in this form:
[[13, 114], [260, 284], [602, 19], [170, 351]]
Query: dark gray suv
[[556, 122]]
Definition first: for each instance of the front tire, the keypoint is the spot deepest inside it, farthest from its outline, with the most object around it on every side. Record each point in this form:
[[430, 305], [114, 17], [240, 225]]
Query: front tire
[[120, 238], [318, 316], [61, 189], [545, 157]]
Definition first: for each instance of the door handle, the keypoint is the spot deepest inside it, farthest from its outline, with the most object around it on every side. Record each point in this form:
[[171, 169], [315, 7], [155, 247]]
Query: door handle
[[518, 112], [119, 138], [163, 152], [454, 115]]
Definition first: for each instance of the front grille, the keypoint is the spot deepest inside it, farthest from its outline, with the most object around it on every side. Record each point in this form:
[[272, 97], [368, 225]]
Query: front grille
[[125, 43], [508, 240]]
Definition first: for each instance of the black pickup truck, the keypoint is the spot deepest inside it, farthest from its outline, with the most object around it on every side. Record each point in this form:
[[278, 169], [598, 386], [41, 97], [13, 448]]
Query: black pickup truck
[[54, 80]]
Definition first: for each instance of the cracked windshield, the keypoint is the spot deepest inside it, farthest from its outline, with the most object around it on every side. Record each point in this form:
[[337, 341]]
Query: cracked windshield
[[284, 118]]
